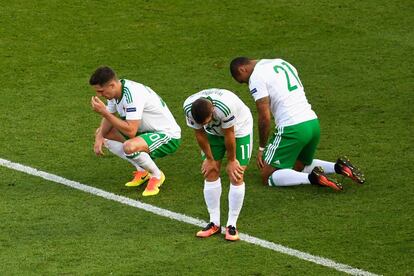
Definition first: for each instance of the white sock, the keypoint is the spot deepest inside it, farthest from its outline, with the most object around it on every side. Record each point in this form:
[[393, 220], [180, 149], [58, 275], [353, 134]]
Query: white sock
[[328, 167], [117, 148], [212, 194], [143, 160], [236, 197], [288, 177]]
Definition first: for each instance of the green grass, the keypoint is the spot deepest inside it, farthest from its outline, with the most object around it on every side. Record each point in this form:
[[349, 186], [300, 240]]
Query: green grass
[[354, 59]]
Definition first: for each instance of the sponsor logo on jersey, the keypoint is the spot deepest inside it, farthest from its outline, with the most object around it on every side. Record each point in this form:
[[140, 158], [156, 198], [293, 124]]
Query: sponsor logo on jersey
[[254, 90], [131, 109], [229, 119]]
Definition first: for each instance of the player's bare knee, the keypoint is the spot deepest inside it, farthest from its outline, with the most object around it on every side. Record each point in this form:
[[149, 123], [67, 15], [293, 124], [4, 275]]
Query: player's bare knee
[[266, 172], [213, 175], [236, 182], [128, 147]]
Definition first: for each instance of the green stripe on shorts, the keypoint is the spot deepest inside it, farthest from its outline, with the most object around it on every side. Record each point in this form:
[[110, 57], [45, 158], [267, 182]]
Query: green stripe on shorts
[[160, 144]]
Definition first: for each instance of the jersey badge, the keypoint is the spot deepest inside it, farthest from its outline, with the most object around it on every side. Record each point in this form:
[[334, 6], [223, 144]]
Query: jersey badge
[[229, 119], [131, 109]]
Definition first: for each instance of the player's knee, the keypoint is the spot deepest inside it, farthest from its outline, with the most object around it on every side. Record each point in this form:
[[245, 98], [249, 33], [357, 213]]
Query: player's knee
[[128, 147], [266, 172], [237, 181], [212, 175]]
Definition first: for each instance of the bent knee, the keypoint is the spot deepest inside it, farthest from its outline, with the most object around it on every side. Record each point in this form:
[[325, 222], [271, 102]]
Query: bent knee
[[266, 172], [128, 147]]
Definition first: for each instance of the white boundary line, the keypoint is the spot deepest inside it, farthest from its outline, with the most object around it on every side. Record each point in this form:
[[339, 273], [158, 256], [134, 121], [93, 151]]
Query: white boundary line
[[183, 218]]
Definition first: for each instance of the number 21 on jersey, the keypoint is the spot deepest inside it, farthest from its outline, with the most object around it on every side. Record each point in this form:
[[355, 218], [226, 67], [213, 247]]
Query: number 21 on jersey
[[284, 67]]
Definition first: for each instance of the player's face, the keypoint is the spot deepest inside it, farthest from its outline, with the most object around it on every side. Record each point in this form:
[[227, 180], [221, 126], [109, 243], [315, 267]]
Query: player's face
[[107, 90], [208, 119]]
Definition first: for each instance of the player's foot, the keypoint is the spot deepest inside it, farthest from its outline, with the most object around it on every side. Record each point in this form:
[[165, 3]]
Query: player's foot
[[139, 178], [345, 167], [318, 177], [153, 185], [208, 231], [231, 233]]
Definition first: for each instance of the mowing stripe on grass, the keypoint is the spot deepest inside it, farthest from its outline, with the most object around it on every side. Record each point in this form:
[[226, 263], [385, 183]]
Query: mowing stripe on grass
[[183, 218]]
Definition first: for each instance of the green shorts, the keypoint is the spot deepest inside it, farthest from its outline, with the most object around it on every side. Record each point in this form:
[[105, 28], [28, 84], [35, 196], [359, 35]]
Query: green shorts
[[160, 144], [243, 148], [291, 143]]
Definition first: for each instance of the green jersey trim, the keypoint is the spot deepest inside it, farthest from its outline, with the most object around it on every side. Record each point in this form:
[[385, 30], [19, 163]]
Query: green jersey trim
[[222, 107], [125, 93]]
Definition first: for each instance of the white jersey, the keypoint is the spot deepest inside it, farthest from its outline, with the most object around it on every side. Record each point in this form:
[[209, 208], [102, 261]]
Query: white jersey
[[229, 111], [279, 80], [139, 102]]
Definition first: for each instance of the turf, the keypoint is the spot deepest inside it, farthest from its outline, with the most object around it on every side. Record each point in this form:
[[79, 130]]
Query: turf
[[354, 59]]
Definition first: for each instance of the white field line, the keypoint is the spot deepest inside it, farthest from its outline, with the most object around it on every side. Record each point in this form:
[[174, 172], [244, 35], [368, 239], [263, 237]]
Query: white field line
[[183, 218]]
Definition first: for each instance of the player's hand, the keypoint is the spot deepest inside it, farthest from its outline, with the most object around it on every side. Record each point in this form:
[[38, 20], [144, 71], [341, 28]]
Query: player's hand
[[208, 167], [97, 105], [97, 147], [235, 171], [259, 160]]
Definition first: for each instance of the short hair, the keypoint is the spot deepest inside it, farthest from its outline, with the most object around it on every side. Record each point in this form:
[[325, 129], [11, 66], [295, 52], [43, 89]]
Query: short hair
[[102, 75], [236, 63], [200, 109]]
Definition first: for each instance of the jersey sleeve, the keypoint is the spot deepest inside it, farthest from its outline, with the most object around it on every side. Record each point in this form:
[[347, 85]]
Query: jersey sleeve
[[258, 88], [229, 118], [134, 106]]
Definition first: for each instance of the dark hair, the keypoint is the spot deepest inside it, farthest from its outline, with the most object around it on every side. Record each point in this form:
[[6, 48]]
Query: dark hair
[[200, 109], [236, 63], [102, 75]]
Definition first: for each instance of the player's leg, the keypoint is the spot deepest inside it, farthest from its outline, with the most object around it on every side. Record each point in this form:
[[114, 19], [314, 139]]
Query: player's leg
[[317, 169], [237, 186], [280, 156], [141, 150], [306, 156], [342, 166], [284, 151], [212, 188], [114, 143]]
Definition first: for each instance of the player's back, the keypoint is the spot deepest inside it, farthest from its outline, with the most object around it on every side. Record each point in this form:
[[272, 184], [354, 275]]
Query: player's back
[[155, 114], [279, 80], [227, 106]]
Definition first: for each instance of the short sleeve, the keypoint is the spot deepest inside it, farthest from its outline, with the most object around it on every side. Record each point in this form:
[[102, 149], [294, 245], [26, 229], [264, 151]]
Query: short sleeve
[[135, 107], [258, 88], [225, 113]]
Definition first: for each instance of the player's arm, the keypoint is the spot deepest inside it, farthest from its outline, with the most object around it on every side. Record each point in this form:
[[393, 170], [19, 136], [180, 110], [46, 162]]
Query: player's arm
[[203, 143], [264, 120], [209, 168], [100, 133], [264, 123], [103, 128], [234, 170], [128, 127]]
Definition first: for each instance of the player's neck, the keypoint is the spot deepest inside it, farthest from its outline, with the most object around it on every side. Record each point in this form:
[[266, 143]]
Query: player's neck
[[118, 90]]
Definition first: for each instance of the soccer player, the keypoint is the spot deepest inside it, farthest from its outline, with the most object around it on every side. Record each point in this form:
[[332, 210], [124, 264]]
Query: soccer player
[[222, 125], [144, 130], [287, 159]]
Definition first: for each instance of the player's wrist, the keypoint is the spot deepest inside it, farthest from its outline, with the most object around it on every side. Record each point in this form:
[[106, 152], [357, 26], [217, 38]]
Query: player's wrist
[[261, 149]]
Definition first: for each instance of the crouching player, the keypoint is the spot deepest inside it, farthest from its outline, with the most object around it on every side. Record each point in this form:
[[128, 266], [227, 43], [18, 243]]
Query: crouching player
[[223, 125], [144, 130]]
